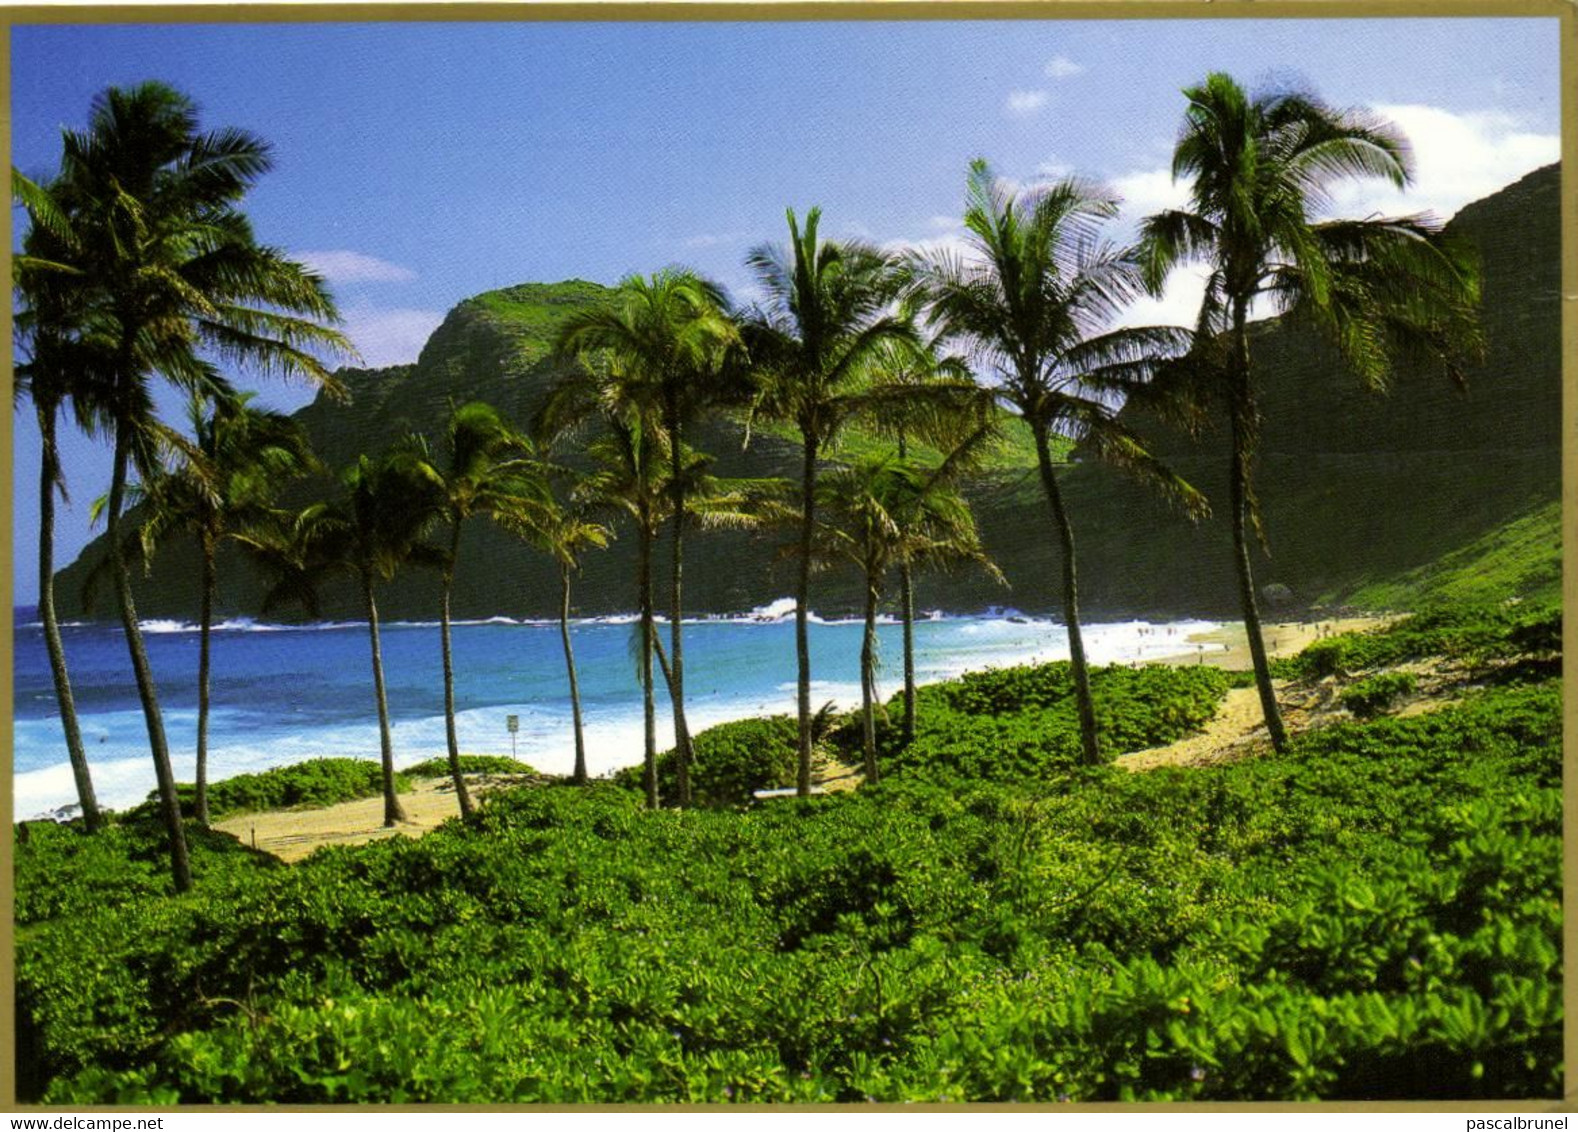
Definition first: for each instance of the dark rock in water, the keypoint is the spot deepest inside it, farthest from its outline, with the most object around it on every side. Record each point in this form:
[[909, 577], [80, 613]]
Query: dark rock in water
[[63, 814]]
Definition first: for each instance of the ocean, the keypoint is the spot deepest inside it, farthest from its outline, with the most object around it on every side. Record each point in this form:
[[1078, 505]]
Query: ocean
[[285, 693]]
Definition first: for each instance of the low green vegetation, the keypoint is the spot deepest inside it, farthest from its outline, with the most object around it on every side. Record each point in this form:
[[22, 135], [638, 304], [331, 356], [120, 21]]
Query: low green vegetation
[[1371, 696], [1021, 724], [1374, 914], [732, 760], [325, 782], [469, 764], [316, 782], [62, 871]]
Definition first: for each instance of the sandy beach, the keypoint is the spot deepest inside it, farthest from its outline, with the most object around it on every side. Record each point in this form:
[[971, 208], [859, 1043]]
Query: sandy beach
[[1283, 638]]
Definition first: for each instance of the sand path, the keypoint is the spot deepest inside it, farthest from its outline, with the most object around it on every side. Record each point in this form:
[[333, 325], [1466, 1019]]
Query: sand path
[[292, 835], [1232, 734]]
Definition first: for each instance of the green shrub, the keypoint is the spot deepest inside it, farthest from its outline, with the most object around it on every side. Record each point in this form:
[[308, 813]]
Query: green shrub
[[1021, 724], [316, 782], [1374, 694], [730, 761], [63, 871], [469, 764]]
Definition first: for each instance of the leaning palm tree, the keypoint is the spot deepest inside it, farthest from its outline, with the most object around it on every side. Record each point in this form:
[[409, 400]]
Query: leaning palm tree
[[885, 510], [564, 533], [167, 273], [677, 349], [829, 308], [224, 484], [59, 365], [485, 470], [1034, 301], [1262, 170], [373, 529]]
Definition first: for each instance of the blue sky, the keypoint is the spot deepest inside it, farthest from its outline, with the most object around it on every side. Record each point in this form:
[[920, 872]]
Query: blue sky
[[417, 164]]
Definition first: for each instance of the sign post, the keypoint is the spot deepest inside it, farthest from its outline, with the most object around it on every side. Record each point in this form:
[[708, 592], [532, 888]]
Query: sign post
[[513, 722]]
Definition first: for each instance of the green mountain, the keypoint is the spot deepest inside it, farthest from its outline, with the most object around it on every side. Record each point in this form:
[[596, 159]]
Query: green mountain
[[1359, 492]]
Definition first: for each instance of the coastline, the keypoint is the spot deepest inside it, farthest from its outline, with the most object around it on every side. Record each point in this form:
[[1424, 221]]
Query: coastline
[[292, 835], [985, 641]]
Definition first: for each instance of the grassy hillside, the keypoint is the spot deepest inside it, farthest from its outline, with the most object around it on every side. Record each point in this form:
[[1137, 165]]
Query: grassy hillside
[[1521, 559], [1358, 489]]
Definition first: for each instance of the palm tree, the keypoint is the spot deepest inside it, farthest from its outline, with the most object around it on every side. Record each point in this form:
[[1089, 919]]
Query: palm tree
[[375, 527], [564, 533], [829, 310], [626, 453], [222, 488], [887, 510], [166, 270], [675, 345], [1262, 169], [944, 409], [485, 471], [60, 365], [1034, 300]]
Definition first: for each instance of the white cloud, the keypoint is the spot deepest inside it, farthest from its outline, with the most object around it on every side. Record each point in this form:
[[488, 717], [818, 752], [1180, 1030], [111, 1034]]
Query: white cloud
[[341, 266], [1053, 170], [1062, 67], [1145, 192], [715, 239], [387, 337], [1177, 305], [1023, 103], [1458, 158]]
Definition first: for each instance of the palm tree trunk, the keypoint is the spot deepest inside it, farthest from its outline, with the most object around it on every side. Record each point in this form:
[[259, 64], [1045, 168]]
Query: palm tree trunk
[[393, 812], [648, 632], [676, 689], [1243, 430], [169, 803], [49, 476], [569, 664], [204, 631], [907, 614], [449, 674], [802, 599], [868, 682], [1076, 641]]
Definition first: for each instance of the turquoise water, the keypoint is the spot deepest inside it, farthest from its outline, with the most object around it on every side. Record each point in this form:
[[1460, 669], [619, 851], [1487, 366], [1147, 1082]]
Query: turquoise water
[[286, 693]]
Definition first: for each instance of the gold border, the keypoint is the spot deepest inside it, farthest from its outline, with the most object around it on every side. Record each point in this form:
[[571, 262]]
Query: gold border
[[670, 11]]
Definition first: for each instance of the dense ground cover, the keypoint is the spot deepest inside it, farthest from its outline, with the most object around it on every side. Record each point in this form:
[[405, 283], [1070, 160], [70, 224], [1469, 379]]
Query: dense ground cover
[[1374, 914], [324, 782]]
